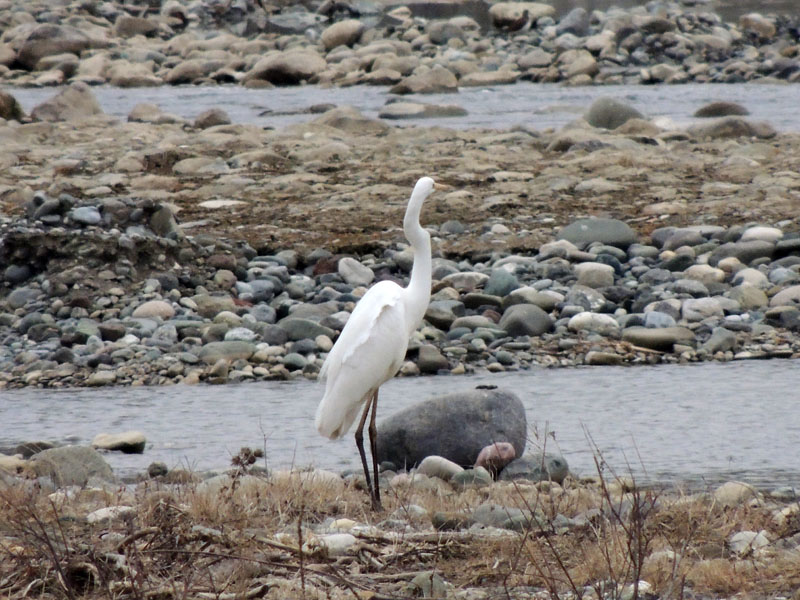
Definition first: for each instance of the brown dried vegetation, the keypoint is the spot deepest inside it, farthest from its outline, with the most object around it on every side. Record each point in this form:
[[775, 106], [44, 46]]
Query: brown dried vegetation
[[253, 537]]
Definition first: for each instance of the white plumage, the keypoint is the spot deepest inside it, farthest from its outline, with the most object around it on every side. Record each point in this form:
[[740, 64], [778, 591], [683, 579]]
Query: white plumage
[[373, 343], [369, 351]]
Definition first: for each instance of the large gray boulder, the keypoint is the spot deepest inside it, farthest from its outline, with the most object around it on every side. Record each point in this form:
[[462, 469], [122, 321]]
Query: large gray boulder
[[71, 465], [72, 103], [456, 426], [10, 108], [720, 109], [420, 110], [288, 68], [349, 119], [343, 33], [606, 231], [525, 319], [127, 442], [732, 127], [662, 338], [608, 113], [505, 14], [575, 22], [50, 39], [227, 350], [436, 80], [745, 251]]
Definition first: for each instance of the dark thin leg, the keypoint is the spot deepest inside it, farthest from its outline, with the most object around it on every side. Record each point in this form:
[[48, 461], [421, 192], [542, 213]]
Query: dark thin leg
[[360, 445], [373, 446]]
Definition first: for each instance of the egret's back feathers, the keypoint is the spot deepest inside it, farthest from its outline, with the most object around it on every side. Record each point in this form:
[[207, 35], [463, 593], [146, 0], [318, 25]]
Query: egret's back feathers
[[369, 351]]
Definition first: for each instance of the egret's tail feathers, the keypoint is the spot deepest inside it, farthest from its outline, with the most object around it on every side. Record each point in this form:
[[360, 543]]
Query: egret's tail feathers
[[328, 424], [333, 419]]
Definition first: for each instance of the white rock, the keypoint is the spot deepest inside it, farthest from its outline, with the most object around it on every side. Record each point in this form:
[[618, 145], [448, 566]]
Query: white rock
[[438, 466], [11, 464], [644, 589], [594, 274], [342, 525], [596, 322], [598, 185], [242, 334], [705, 274], [752, 277], [786, 297], [561, 248], [733, 493], [505, 13], [128, 442], [335, 544], [216, 204], [323, 342], [697, 309], [354, 273], [154, 308], [466, 282], [781, 517], [500, 229], [759, 232], [748, 542], [101, 378], [730, 264], [128, 339], [110, 513]]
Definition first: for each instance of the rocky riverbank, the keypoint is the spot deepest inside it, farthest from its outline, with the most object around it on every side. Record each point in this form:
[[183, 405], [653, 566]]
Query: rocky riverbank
[[157, 251], [73, 532], [421, 46]]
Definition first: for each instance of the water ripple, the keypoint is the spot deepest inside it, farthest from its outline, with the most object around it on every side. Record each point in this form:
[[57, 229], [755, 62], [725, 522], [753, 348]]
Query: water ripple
[[698, 423]]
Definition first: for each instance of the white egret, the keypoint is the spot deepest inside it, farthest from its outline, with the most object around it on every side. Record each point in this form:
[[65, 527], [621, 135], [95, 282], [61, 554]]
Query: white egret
[[373, 343]]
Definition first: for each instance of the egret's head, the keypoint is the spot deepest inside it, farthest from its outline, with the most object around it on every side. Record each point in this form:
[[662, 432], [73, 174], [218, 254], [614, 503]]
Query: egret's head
[[424, 187]]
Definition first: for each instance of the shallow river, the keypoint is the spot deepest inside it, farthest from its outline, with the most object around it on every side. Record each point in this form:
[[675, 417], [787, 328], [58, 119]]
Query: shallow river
[[534, 105], [697, 423]]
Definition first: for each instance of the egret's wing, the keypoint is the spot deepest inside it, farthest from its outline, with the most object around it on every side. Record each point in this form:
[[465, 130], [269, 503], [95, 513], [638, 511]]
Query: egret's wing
[[369, 351], [376, 312]]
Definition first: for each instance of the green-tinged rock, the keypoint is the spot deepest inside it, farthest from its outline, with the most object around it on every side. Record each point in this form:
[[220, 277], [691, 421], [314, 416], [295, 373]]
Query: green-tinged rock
[[230, 351], [304, 329], [71, 465], [661, 338]]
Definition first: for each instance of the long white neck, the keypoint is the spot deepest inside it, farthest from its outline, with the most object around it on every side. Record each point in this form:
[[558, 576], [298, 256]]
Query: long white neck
[[418, 292]]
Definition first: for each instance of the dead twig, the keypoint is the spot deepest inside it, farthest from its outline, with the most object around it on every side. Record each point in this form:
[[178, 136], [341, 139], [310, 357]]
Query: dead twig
[[136, 535]]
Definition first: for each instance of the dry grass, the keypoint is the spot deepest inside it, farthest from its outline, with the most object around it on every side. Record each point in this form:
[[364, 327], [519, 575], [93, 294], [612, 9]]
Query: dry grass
[[255, 537]]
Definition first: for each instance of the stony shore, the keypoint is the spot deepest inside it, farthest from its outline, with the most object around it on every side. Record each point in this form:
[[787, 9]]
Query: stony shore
[[421, 46], [155, 251], [73, 533]]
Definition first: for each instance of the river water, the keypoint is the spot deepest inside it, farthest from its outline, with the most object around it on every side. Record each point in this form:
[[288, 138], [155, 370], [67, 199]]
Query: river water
[[700, 424], [533, 105]]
